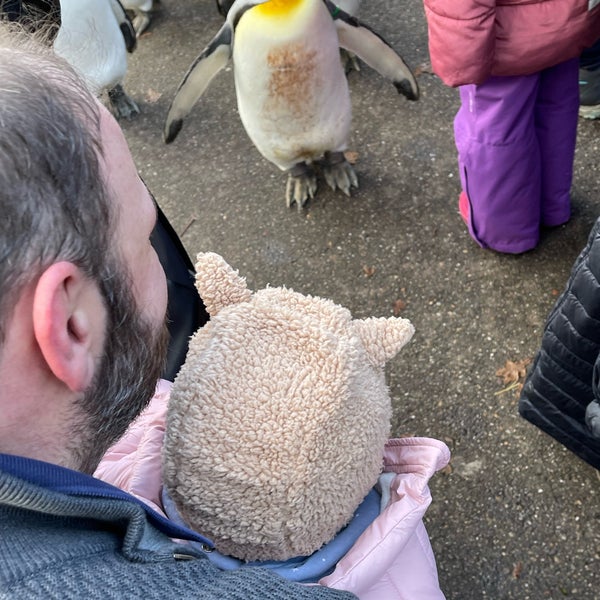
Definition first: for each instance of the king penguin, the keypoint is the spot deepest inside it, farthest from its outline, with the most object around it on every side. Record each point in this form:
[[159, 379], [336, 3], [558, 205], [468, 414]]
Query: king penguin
[[95, 37], [92, 35], [292, 92]]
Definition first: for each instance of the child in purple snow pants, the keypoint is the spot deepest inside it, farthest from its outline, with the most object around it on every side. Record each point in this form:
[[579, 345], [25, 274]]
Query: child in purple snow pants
[[516, 144]]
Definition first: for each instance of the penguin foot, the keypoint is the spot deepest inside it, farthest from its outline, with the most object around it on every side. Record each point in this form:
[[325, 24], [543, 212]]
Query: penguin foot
[[120, 104], [349, 61], [338, 172], [301, 185], [140, 21]]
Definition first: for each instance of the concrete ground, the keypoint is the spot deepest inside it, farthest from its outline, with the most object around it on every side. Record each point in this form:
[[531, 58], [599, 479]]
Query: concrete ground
[[516, 516]]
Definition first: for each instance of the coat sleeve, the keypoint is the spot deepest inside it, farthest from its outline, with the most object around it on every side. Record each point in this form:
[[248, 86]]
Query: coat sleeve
[[461, 39], [563, 378]]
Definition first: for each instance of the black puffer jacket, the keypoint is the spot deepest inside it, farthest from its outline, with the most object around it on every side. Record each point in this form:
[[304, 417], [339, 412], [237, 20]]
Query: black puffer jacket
[[564, 379]]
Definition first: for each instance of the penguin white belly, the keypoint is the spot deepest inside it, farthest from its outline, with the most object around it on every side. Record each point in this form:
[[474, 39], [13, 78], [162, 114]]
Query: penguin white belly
[[90, 40], [292, 93]]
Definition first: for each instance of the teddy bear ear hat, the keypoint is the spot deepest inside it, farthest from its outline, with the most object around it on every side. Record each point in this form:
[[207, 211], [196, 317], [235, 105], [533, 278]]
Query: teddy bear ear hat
[[383, 337], [278, 418], [219, 284]]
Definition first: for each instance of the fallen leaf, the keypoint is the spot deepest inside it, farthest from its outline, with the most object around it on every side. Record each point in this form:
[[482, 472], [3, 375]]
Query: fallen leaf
[[447, 470], [423, 68], [513, 374], [513, 371], [152, 96], [369, 271], [518, 569], [398, 306], [351, 156]]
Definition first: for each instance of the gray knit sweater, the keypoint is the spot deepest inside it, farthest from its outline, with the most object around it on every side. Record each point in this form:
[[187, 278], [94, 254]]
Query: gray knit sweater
[[65, 535]]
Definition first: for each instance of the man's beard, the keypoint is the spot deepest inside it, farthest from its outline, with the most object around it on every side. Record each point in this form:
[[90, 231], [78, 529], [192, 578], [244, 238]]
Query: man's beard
[[133, 360]]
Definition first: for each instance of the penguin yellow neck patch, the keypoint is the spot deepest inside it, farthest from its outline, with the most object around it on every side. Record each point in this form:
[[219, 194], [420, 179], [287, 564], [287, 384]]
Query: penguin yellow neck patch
[[277, 8]]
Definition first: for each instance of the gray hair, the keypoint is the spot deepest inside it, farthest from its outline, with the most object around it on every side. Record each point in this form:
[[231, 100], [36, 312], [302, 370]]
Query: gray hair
[[54, 202]]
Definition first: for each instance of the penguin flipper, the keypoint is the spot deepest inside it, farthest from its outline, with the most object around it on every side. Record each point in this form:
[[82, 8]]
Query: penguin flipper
[[125, 25], [223, 6], [375, 51], [198, 77]]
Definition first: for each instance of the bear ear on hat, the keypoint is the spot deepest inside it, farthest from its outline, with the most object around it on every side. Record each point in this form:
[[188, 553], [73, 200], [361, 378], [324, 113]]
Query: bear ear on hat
[[218, 284], [383, 337]]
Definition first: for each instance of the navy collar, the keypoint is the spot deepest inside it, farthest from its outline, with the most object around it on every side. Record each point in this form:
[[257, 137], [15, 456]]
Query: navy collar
[[73, 483]]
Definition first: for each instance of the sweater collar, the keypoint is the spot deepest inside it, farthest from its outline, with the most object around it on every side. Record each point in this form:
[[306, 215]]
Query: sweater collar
[[75, 484]]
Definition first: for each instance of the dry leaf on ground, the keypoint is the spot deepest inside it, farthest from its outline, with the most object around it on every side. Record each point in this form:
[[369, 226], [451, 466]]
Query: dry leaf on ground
[[368, 271], [513, 371], [513, 375], [424, 67], [517, 570], [398, 306], [152, 96], [351, 156]]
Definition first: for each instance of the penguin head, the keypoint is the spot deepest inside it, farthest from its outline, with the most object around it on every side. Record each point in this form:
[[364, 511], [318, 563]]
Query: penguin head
[[265, 8], [277, 8]]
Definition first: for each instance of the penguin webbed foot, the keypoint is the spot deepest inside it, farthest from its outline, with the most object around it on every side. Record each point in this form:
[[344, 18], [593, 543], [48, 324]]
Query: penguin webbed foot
[[301, 185], [120, 104], [338, 172], [141, 21]]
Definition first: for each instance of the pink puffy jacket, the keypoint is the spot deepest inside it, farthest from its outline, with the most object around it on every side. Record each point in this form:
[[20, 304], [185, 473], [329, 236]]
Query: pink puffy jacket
[[469, 40], [391, 560]]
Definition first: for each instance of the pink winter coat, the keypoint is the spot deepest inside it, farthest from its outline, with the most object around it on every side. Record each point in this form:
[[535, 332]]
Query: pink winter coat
[[391, 560], [469, 40]]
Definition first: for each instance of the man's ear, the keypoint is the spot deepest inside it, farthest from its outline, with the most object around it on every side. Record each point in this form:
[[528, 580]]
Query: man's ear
[[69, 321]]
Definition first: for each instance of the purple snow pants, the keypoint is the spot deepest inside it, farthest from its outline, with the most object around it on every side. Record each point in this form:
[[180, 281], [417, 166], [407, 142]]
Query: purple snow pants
[[515, 138]]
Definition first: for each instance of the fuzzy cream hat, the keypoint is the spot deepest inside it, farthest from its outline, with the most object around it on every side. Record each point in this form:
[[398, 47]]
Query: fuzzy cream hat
[[278, 418]]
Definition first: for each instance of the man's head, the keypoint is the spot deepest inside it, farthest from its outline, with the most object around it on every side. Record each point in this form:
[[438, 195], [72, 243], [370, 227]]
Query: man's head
[[82, 294]]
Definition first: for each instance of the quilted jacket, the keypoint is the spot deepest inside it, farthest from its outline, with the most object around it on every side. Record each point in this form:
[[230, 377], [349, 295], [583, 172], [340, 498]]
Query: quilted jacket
[[565, 376], [469, 40]]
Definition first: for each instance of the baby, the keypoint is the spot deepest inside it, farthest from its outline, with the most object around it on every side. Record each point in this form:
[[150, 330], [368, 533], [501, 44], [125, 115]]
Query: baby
[[276, 436]]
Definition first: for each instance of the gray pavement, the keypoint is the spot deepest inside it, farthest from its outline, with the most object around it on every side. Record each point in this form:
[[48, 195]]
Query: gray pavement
[[516, 515]]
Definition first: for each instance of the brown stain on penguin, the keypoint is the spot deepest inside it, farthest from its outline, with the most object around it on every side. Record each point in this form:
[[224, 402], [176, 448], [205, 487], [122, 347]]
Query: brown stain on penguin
[[293, 78]]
